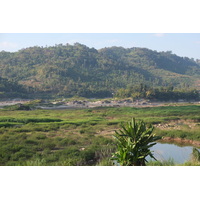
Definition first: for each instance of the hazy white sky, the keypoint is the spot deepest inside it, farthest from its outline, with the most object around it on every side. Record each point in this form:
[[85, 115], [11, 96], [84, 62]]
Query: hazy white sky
[[182, 44]]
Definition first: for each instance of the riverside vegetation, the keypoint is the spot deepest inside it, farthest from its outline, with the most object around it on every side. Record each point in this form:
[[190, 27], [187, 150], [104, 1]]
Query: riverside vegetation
[[74, 137]]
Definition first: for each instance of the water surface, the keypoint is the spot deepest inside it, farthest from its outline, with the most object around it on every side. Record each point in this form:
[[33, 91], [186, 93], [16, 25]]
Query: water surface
[[166, 151]]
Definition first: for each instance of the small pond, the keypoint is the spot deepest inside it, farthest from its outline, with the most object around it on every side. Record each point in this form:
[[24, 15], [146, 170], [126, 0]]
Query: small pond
[[166, 151]]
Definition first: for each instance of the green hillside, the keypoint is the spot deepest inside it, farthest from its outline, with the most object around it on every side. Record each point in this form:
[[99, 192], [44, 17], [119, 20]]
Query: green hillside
[[9, 89], [77, 70]]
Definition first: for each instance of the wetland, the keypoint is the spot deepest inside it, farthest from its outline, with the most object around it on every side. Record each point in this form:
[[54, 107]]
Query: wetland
[[84, 136]]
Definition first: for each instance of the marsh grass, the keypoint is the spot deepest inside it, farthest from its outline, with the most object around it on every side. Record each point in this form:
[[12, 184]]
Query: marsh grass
[[40, 148], [169, 162], [56, 137]]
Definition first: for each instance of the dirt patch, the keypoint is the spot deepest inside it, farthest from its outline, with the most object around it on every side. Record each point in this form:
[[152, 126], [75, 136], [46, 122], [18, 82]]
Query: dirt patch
[[181, 141], [177, 125], [108, 133]]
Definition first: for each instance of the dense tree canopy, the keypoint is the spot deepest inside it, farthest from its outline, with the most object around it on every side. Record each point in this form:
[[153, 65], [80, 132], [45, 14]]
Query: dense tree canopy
[[159, 93], [11, 89], [77, 70]]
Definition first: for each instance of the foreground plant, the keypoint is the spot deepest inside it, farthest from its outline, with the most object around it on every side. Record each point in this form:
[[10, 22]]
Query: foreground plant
[[134, 141], [195, 155]]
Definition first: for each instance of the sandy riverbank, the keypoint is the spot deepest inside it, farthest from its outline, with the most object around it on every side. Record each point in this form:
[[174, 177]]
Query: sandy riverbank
[[92, 104]]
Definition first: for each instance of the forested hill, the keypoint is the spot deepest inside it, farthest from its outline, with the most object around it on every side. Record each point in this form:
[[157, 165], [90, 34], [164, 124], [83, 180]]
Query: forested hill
[[77, 70], [9, 89]]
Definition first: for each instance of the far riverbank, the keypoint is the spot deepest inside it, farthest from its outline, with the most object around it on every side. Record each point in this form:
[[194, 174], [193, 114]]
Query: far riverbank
[[87, 103]]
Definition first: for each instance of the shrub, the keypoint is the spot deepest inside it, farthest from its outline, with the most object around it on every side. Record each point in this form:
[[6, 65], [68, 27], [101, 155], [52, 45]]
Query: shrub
[[112, 123], [48, 144], [67, 141], [33, 142], [183, 135], [195, 155], [82, 131], [17, 107], [133, 143], [88, 156], [41, 137]]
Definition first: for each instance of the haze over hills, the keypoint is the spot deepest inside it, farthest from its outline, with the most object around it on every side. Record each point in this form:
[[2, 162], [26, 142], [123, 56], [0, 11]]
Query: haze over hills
[[77, 70]]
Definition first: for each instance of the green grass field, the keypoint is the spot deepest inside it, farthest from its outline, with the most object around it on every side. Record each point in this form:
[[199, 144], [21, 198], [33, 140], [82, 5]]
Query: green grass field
[[83, 136]]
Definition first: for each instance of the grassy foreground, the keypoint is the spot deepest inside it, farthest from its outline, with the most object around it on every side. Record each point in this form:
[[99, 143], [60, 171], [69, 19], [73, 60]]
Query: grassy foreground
[[83, 136]]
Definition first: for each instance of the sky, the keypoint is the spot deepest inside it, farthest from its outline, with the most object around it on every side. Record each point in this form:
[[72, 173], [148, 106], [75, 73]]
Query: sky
[[181, 44]]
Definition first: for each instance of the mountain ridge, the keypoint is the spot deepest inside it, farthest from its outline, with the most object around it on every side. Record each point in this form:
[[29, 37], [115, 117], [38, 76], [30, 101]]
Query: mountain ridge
[[77, 70]]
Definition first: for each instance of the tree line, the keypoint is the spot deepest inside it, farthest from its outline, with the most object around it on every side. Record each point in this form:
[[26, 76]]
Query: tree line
[[159, 93]]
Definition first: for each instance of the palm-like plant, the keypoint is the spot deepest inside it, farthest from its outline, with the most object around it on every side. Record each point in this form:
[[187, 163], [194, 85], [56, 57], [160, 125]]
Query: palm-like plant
[[133, 143]]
